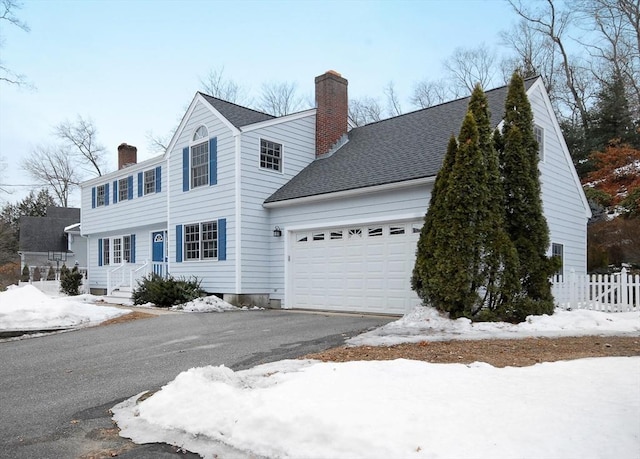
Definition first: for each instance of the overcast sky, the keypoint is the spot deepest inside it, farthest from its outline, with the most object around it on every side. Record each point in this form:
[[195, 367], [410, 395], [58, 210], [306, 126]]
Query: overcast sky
[[134, 66]]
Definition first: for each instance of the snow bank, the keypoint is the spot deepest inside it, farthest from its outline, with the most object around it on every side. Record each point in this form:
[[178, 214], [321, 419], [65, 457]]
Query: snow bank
[[26, 308], [205, 304]]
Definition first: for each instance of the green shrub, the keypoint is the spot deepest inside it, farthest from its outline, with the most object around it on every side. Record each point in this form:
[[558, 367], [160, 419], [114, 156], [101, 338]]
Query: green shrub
[[70, 281], [24, 277], [166, 292], [51, 274]]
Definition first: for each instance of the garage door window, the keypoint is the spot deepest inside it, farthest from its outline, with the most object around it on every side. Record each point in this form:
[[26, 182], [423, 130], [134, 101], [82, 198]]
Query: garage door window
[[318, 237], [374, 232], [303, 238], [396, 230], [336, 234], [355, 233]]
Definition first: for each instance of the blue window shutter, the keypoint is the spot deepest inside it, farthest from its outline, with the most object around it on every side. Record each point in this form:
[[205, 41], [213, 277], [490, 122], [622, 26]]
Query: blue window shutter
[[93, 197], [185, 169], [222, 239], [133, 248], [99, 252], [213, 161], [115, 191], [130, 187], [158, 179], [139, 184], [178, 243], [106, 194]]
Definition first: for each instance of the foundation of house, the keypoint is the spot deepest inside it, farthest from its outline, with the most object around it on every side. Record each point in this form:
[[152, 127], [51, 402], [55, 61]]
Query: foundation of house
[[253, 300]]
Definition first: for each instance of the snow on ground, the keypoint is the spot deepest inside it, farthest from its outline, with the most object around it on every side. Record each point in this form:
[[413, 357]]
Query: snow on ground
[[427, 324], [26, 308], [205, 304], [588, 408]]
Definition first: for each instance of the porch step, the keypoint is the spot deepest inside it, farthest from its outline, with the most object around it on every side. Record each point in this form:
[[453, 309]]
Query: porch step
[[122, 292]]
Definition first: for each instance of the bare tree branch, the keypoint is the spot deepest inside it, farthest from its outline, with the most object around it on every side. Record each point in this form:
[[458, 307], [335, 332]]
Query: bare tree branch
[[81, 136], [215, 84], [468, 67], [393, 103], [53, 168], [279, 99], [429, 93], [7, 14], [365, 110]]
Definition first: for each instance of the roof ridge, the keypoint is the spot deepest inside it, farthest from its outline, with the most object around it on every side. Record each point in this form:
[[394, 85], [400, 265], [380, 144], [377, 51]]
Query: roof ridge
[[440, 104], [237, 105]]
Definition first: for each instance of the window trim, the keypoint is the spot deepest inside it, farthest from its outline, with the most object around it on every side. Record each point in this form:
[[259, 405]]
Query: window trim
[[554, 252], [112, 251], [124, 188], [188, 252], [280, 170], [541, 150], [101, 202], [146, 183], [205, 164]]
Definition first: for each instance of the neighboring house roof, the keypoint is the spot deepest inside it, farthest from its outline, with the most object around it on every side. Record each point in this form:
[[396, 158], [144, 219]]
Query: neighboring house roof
[[235, 114], [47, 234], [406, 147]]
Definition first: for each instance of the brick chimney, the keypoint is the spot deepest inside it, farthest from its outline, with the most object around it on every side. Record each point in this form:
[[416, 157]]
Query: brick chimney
[[331, 110], [127, 155]]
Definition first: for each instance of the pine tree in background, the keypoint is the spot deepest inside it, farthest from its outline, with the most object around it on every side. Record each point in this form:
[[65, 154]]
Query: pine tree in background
[[525, 221]]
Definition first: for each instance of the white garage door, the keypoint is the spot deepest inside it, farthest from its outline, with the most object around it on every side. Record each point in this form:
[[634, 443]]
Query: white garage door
[[364, 268]]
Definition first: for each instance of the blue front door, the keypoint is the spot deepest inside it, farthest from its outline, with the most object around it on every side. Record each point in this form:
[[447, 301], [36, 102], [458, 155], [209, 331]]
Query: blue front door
[[158, 252]]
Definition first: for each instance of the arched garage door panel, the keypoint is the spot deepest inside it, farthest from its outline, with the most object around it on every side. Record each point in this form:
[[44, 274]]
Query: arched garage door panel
[[365, 268]]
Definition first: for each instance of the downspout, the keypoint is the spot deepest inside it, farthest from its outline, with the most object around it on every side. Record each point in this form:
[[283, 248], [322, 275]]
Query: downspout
[[238, 212], [168, 232]]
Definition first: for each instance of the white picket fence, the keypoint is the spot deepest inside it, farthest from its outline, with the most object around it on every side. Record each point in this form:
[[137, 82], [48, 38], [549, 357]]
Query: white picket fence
[[617, 292]]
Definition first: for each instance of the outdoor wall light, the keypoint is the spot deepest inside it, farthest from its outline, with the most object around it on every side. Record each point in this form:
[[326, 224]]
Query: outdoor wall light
[[277, 232]]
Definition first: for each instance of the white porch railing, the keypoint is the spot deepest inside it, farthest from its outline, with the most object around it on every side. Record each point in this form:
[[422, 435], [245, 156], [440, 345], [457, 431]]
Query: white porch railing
[[127, 275], [618, 292]]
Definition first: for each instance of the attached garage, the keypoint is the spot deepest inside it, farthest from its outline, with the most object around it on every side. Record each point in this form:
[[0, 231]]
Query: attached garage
[[360, 268]]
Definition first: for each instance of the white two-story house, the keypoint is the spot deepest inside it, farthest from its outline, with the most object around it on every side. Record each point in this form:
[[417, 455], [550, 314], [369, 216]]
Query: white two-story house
[[300, 211]]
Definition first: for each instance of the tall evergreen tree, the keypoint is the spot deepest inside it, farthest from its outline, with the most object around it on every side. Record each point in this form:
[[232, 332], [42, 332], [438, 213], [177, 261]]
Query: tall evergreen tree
[[498, 255], [525, 221], [425, 263]]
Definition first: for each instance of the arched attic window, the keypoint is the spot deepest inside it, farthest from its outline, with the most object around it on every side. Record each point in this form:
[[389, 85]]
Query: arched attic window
[[201, 133]]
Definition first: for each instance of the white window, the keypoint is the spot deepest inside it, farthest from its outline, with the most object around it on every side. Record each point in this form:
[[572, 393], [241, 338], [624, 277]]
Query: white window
[[106, 252], [100, 195], [557, 250], [201, 241], [117, 250], [396, 230], [150, 181], [200, 164], [270, 155], [123, 189], [318, 236], [539, 133]]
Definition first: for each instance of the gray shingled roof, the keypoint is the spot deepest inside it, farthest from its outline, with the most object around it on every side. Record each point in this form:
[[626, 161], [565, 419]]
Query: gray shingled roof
[[237, 115], [409, 146], [46, 234]]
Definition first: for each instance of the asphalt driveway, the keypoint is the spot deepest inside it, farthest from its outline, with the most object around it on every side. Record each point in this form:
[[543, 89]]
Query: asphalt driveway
[[55, 390]]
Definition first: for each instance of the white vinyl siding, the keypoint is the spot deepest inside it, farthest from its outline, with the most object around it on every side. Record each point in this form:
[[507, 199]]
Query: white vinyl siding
[[297, 138], [204, 203]]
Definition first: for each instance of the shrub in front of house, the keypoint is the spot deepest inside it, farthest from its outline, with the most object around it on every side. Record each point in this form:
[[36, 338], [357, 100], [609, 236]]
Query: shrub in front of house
[[36, 274], [24, 277], [70, 281], [165, 292], [51, 275]]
